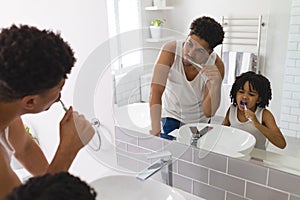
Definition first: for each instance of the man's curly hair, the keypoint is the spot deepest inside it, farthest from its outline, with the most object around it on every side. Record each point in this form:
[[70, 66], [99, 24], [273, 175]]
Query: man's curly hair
[[59, 186], [31, 61], [209, 30], [257, 82]]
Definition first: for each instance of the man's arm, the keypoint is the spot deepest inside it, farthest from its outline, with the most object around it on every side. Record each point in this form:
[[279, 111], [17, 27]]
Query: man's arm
[[8, 179], [75, 133], [26, 150], [212, 97], [158, 84]]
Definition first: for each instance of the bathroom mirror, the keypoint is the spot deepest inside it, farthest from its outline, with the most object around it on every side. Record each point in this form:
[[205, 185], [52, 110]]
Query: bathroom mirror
[[132, 70]]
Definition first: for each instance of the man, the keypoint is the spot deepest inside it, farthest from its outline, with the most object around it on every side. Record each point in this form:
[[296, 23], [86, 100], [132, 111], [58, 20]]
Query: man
[[58, 186], [33, 67], [187, 91]]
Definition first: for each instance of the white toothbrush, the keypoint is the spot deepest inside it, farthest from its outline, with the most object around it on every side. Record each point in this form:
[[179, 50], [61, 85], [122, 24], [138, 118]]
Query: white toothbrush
[[195, 64], [245, 107]]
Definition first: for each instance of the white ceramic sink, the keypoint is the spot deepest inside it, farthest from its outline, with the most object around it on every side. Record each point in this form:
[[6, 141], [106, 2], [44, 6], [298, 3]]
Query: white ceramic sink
[[134, 116], [125, 187], [220, 139]]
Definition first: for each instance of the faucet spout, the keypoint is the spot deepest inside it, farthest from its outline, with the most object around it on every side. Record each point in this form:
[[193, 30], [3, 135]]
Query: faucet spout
[[165, 160], [151, 170]]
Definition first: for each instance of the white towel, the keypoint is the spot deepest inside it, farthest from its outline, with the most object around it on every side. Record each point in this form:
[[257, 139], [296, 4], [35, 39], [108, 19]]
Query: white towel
[[231, 67], [225, 57], [247, 62], [236, 63]]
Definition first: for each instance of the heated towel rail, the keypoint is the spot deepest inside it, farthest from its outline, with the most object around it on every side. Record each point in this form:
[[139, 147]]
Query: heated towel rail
[[243, 34]]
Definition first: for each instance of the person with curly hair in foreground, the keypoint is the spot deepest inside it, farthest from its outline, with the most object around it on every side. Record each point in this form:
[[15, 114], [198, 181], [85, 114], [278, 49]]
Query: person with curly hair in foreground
[[33, 68], [58, 186]]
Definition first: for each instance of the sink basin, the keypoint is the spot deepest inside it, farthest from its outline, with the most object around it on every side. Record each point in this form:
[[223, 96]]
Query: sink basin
[[134, 116], [126, 187], [220, 139]]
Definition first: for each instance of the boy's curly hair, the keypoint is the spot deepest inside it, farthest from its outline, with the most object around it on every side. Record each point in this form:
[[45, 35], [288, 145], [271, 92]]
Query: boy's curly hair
[[59, 186], [257, 82], [31, 61], [209, 30]]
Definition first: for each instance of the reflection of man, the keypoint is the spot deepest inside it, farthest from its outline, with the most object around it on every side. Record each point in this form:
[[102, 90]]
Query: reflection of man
[[188, 94], [33, 67]]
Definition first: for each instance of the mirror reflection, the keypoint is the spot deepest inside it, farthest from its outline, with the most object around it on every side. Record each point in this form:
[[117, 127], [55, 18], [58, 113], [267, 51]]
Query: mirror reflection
[[134, 71]]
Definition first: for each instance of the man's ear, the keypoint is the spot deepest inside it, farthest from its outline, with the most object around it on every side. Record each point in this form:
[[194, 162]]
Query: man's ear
[[29, 102]]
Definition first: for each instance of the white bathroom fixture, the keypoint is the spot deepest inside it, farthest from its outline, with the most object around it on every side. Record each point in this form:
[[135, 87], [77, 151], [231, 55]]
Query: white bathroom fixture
[[220, 139], [127, 187]]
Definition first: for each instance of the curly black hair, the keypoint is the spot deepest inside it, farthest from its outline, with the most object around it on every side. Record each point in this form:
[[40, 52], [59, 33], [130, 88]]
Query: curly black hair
[[258, 82], [31, 61], [59, 186], [209, 30]]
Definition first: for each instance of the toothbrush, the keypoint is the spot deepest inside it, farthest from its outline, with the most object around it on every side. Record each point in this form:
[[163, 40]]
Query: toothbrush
[[195, 64], [63, 105], [245, 107]]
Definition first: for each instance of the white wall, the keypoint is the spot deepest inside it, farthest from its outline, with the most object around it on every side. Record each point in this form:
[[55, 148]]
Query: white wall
[[290, 115], [84, 25]]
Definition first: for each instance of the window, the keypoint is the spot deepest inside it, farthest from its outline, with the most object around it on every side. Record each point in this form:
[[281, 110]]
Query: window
[[124, 16]]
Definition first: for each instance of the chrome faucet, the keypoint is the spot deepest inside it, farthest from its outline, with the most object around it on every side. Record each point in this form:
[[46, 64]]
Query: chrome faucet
[[164, 162]]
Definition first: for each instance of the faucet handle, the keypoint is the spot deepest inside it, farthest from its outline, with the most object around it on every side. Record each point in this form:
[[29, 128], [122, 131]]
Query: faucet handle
[[165, 155]]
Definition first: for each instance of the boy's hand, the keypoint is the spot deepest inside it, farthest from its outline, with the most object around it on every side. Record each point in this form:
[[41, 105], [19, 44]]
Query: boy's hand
[[250, 115]]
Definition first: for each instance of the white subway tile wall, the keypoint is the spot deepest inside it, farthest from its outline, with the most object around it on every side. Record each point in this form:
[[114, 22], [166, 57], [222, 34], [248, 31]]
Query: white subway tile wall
[[207, 174], [290, 115]]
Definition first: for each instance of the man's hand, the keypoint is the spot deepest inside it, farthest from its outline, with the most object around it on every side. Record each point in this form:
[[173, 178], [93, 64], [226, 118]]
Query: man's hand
[[213, 75], [75, 130]]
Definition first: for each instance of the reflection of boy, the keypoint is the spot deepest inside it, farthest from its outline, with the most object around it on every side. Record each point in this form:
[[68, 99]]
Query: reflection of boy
[[33, 67], [250, 94], [186, 93], [57, 186]]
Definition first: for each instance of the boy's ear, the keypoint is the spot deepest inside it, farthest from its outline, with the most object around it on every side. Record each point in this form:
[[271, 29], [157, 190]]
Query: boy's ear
[[29, 102]]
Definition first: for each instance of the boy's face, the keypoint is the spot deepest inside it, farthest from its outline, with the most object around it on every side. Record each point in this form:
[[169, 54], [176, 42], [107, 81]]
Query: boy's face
[[248, 95], [42, 102], [195, 49]]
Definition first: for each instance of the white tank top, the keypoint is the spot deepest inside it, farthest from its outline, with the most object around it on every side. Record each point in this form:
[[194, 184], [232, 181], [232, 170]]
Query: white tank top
[[247, 126], [4, 142], [182, 99]]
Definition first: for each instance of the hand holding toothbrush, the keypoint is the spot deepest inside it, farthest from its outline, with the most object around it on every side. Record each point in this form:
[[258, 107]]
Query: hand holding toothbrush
[[75, 130], [211, 72], [248, 113]]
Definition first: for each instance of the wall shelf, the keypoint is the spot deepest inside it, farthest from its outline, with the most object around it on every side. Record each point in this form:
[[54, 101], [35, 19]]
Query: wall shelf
[[159, 8]]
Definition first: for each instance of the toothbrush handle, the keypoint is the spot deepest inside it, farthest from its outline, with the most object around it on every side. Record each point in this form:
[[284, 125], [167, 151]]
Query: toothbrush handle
[[249, 118]]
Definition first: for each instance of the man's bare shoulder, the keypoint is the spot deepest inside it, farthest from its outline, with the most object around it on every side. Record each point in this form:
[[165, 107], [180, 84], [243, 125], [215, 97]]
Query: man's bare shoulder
[[170, 46]]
